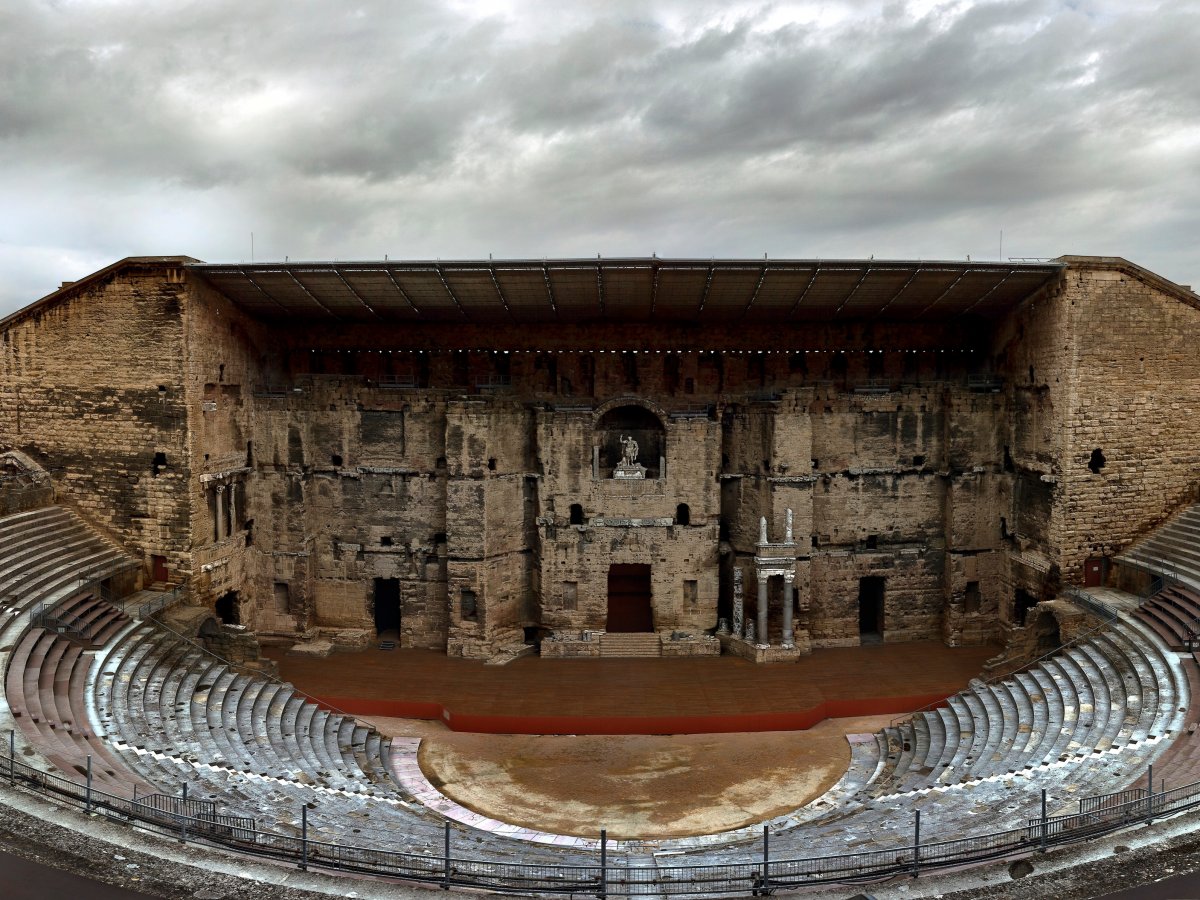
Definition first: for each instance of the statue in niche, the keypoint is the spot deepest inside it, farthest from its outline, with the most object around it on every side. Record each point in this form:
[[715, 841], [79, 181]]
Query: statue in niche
[[629, 467], [629, 451]]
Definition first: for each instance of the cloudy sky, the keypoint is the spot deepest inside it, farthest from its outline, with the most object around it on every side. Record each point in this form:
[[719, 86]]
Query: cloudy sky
[[335, 129]]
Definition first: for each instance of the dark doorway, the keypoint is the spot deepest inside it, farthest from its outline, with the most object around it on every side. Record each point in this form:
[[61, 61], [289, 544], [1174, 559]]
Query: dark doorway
[[227, 609], [1023, 602], [1049, 638], [629, 598], [158, 568], [387, 605], [870, 609], [1093, 572]]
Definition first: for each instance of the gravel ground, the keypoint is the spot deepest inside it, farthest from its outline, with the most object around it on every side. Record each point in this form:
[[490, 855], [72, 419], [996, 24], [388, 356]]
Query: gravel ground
[[636, 786]]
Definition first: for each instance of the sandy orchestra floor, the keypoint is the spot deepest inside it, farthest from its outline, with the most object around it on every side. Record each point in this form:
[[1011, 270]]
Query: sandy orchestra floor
[[636, 786]]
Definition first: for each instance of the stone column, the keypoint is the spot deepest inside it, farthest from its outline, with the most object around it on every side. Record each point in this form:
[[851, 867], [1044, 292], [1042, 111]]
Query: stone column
[[220, 529], [233, 521], [788, 539], [763, 635], [789, 599], [738, 604]]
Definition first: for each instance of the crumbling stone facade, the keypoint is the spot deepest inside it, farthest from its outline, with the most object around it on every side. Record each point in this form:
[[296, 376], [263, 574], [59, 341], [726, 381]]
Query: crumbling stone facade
[[458, 484]]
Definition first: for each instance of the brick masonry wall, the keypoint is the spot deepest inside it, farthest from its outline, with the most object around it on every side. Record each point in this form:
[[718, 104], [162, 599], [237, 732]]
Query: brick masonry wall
[[91, 389], [1136, 398]]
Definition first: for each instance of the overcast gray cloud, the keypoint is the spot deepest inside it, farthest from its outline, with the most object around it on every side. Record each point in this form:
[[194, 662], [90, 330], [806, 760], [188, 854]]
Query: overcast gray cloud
[[336, 129]]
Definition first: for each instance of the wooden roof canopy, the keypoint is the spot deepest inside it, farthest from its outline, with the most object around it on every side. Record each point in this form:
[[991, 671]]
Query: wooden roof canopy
[[636, 289]]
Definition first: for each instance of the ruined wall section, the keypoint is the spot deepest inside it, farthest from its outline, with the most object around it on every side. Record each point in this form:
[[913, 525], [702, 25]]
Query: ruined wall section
[[226, 360], [1034, 351], [490, 504], [628, 521], [91, 388], [978, 506], [1136, 401]]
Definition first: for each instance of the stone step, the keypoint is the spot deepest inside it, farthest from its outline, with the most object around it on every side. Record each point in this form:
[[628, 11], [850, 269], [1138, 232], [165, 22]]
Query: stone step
[[633, 644]]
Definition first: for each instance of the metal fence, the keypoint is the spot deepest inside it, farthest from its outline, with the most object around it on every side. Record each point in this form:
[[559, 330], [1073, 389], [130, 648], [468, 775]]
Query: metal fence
[[197, 821], [164, 601]]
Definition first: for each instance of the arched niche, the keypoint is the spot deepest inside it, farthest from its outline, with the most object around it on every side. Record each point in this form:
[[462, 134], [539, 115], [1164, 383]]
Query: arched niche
[[629, 420]]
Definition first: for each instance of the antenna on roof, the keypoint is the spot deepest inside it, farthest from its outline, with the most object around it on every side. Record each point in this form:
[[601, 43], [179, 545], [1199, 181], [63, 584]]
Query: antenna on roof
[[252, 246]]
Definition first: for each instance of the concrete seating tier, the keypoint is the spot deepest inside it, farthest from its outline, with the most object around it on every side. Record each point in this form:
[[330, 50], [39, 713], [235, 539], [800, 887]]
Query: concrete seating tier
[[1119, 688], [152, 705], [1173, 547], [1174, 613], [45, 555], [1085, 721]]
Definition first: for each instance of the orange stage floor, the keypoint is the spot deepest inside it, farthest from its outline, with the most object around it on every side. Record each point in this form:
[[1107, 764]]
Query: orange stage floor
[[636, 696]]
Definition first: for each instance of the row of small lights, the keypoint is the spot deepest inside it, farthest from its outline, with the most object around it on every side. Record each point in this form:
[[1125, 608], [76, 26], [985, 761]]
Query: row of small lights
[[648, 352]]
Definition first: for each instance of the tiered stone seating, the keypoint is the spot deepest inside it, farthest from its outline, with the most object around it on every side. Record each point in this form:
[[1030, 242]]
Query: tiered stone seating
[[1173, 548], [45, 555], [1087, 720], [1119, 688]]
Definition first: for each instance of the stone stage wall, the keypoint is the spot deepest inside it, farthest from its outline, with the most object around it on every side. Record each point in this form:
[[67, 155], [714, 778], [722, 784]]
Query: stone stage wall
[[461, 476]]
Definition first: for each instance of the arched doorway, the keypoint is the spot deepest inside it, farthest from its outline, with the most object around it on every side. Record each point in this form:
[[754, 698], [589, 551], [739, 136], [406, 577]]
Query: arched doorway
[[630, 607]]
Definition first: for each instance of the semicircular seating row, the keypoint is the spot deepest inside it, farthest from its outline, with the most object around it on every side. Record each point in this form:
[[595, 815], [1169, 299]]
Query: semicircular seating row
[[163, 712]]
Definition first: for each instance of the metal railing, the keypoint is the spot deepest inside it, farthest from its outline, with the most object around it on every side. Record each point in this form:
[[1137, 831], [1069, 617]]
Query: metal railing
[[46, 616], [51, 617], [165, 601], [199, 822]]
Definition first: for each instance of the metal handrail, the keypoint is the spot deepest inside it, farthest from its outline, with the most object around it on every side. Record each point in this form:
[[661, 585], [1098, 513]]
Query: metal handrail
[[167, 599], [198, 822]]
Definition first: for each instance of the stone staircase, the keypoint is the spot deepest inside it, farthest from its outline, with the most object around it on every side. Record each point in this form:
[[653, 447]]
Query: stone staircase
[[1174, 613], [1172, 548], [630, 644]]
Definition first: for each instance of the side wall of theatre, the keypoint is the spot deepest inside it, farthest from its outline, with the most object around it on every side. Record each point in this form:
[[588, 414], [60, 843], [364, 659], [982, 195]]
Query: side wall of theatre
[[1131, 454], [1104, 391], [91, 388]]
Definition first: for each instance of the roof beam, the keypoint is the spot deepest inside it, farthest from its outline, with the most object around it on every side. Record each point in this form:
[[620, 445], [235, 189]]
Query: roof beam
[[654, 287], [866, 271], [804, 293], [549, 289], [399, 290], [708, 280], [961, 275], [357, 296], [989, 292], [261, 289], [445, 284], [499, 290], [762, 276], [311, 296], [899, 291]]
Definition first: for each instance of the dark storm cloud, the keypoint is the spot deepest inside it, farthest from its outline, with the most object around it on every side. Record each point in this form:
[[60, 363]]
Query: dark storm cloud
[[335, 129]]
